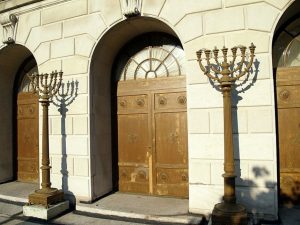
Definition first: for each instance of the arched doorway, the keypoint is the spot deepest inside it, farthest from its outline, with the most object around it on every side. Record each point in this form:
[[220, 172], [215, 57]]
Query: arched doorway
[[104, 152], [16, 124], [27, 125], [151, 116], [286, 61]]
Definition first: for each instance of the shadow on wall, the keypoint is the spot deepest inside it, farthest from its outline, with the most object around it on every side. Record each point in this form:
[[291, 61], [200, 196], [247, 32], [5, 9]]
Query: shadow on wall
[[64, 98]]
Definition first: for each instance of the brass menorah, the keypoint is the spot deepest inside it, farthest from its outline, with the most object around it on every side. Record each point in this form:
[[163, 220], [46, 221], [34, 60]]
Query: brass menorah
[[46, 86], [226, 73]]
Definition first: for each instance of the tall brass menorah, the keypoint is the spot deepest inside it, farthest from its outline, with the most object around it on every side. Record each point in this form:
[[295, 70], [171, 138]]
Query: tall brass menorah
[[226, 73], [46, 86]]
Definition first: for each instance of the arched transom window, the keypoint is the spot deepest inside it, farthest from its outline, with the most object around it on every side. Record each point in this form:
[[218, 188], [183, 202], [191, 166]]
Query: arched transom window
[[154, 61]]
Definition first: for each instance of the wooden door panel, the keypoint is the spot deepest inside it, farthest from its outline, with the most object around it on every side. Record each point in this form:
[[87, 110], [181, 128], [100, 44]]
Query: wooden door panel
[[28, 146], [173, 100], [171, 154], [171, 138], [288, 103], [133, 138]]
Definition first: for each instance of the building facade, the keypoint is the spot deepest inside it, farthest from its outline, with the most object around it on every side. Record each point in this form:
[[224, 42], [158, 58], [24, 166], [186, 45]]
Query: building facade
[[136, 113]]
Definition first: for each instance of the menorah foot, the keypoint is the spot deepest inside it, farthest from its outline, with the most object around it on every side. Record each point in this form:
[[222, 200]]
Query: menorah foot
[[46, 197], [233, 214]]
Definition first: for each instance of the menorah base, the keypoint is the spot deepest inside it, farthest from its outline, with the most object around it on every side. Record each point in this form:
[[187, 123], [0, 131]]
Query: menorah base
[[46, 197], [233, 214]]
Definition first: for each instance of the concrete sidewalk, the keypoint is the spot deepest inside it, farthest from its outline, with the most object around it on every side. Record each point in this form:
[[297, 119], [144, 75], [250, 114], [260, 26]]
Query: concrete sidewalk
[[115, 209]]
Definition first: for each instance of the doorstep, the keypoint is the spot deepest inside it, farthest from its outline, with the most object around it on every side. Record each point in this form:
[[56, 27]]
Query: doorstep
[[139, 207], [16, 191]]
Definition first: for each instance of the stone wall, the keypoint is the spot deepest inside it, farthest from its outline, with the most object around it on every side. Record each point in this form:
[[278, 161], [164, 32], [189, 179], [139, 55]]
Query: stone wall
[[62, 34]]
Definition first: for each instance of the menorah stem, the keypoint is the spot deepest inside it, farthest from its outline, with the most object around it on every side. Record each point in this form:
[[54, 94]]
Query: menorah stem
[[229, 175], [46, 184], [228, 212]]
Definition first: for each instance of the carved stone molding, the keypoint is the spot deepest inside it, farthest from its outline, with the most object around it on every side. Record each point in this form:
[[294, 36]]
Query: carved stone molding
[[131, 8], [8, 22]]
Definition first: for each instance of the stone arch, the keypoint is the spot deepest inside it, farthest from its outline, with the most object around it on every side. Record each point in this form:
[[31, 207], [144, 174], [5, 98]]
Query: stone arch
[[284, 32], [12, 57], [102, 61]]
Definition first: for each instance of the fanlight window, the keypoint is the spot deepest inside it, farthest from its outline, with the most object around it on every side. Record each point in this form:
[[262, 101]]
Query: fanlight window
[[291, 54], [25, 83], [155, 62], [286, 49]]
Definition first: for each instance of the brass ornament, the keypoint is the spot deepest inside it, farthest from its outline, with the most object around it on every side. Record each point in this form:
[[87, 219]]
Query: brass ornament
[[162, 101], [181, 100], [284, 95], [140, 102]]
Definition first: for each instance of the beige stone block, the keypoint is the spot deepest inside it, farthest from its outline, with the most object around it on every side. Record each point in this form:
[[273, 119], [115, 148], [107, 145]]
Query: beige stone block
[[279, 4], [203, 174], [262, 66], [70, 166], [50, 66], [192, 6], [261, 173], [260, 93], [254, 146], [82, 190], [42, 53], [43, 34], [110, 10], [152, 7], [208, 42], [190, 27], [56, 165], [261, 16], [224, 20], [25, 23], [203, 96], [55, 145], [202, 198], [75, 65], [260, 39], [82, 84], [84, 45], [230, 3], [79, 106], [92, 25], [64, 11], [206, 146], [81, 167], [173, 11], [56, 180], [77, 145], [217, 169], [261, 119], [62, 126], [258, 200], [194, 73], [216, 121], [80, 125], [198, 121], [63, 47], [53, 111]]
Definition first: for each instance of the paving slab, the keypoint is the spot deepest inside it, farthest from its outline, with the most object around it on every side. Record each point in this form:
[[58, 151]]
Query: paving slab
[[17, 191], [158, 209]]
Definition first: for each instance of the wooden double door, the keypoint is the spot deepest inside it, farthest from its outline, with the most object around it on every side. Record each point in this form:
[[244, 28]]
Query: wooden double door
[[27, 138], [152, 137], [288, 103]]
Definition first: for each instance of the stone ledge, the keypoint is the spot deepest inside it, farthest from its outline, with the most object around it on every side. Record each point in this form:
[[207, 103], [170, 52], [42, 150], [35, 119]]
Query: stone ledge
[[39, 211]]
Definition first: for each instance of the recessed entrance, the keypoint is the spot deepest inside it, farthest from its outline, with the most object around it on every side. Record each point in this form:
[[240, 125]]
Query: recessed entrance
[[287, 47], [151, 118], [27, 126]]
